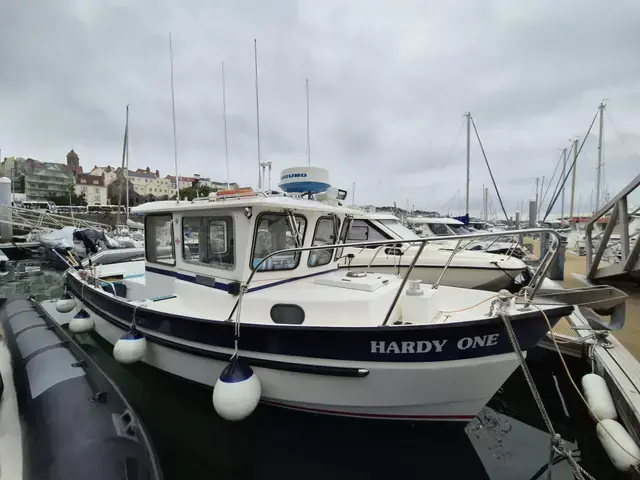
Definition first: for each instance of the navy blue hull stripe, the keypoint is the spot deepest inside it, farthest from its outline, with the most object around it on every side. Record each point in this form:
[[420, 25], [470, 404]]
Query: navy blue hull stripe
[[393, 343]]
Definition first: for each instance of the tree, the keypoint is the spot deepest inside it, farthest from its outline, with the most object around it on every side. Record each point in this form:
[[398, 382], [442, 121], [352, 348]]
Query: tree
[[21, 185], [189, 193], [70, 197]]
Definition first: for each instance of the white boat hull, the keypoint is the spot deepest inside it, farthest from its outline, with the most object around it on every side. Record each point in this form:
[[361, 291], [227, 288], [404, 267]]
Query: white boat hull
[[430, 391]]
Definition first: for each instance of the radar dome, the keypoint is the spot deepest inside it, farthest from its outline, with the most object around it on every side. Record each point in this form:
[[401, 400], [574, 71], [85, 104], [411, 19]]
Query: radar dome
[[304, 180]]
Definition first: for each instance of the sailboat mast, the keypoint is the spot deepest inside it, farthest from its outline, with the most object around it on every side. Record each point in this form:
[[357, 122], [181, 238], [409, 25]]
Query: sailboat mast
[[173, 113], [308, 129], [468, 115], [122, 168], [224, 116], [564, 169], [126, 171], [600, 144], [573, 177], [255, 60]]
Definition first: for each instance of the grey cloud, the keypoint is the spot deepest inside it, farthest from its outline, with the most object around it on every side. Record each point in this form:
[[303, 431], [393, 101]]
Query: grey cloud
[[389, 86]]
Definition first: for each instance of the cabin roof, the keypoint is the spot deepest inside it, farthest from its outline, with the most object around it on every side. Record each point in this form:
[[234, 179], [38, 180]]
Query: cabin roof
[[266, 202], [447, 220], [374, 215]]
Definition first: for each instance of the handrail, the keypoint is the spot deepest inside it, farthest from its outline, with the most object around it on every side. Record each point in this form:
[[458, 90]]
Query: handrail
[[531, 289], [618, 207]]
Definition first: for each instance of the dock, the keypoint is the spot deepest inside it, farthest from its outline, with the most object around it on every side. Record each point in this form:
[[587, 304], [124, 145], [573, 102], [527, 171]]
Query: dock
[[615, 355]]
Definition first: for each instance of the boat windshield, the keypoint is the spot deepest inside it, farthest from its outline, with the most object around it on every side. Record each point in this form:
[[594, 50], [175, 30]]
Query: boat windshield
[[440, 229], [459, 229], [400, 230], [274, 231]]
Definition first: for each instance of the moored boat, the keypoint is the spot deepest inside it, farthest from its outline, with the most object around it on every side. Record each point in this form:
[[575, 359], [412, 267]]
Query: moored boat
[[262, 286], [466, 269], [62, 417]]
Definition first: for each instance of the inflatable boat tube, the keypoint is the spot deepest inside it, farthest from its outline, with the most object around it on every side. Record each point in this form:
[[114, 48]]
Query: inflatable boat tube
[[76, 424]]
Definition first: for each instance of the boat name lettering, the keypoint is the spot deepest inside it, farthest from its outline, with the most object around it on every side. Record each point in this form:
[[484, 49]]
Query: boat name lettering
[[293, 175], [426, 346]]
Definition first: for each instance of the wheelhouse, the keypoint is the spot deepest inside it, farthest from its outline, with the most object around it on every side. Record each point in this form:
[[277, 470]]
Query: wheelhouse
[[217, 243], [377, 227]]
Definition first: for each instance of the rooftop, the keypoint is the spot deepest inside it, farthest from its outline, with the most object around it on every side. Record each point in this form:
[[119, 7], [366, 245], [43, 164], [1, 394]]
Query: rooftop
[[274, 202], [86, 179]]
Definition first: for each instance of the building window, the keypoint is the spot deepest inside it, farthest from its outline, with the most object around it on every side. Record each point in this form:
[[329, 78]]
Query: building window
[[209, 241], [159, 243], [326, 234], [97, 190], [274, 232]]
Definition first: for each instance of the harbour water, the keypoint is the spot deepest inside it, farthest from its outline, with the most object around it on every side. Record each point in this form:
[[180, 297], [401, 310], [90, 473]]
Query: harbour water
[[506, 441]]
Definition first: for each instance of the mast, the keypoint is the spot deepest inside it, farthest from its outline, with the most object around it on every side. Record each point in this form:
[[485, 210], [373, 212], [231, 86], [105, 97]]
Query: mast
[[126, 171], [564, 168], [600, 144], [541, 199], [125, 147], [255, 60], [224, 116], [573, 177], [308, 130], [468, 115], [173, 112]]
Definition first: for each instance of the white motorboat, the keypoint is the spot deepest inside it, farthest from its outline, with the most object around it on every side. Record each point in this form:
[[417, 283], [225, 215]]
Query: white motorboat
[[262, 288], [129, 238], [467, 269], [440, 226]]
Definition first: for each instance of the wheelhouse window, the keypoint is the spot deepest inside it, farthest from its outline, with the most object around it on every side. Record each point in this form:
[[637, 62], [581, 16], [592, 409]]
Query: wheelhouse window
[[209, 241], [399, 229], [326, 234], [459, 229], [159, 244], [278, 231], [363, 231]]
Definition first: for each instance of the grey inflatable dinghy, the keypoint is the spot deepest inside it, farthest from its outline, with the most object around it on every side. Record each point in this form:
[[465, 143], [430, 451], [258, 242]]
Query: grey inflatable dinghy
[[75, 424]]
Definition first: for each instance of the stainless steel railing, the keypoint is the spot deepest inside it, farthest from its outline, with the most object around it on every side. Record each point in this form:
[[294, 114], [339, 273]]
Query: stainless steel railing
[[530, 290]]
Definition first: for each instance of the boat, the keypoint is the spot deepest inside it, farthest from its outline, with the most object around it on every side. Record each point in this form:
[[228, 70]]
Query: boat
[[62, 417], [443, 226], [261, 296], [466, 269]]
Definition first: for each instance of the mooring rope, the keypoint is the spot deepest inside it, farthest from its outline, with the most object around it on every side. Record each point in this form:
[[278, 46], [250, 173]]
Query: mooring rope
[[555, 442]]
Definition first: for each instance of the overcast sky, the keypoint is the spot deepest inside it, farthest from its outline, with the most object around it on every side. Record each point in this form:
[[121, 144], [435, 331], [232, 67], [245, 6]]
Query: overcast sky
[[389, 82]]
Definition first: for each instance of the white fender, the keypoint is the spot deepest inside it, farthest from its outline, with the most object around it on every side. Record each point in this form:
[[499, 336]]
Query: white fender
[[237, 392], [597, 395], [619, 457]]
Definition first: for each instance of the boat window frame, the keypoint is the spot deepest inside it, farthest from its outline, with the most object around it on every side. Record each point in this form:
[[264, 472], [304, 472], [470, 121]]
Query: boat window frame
[[284, 215], [173, 240], [371, 225], [208, 265], [332, 219]]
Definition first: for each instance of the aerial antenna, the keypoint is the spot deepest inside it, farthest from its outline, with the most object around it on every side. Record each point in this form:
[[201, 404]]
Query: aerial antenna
[[173, 112], [308, 130], [224, 115], [255, 58]]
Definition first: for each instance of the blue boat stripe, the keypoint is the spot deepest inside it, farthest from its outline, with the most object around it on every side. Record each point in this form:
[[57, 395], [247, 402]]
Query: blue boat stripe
[[225, 286]]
